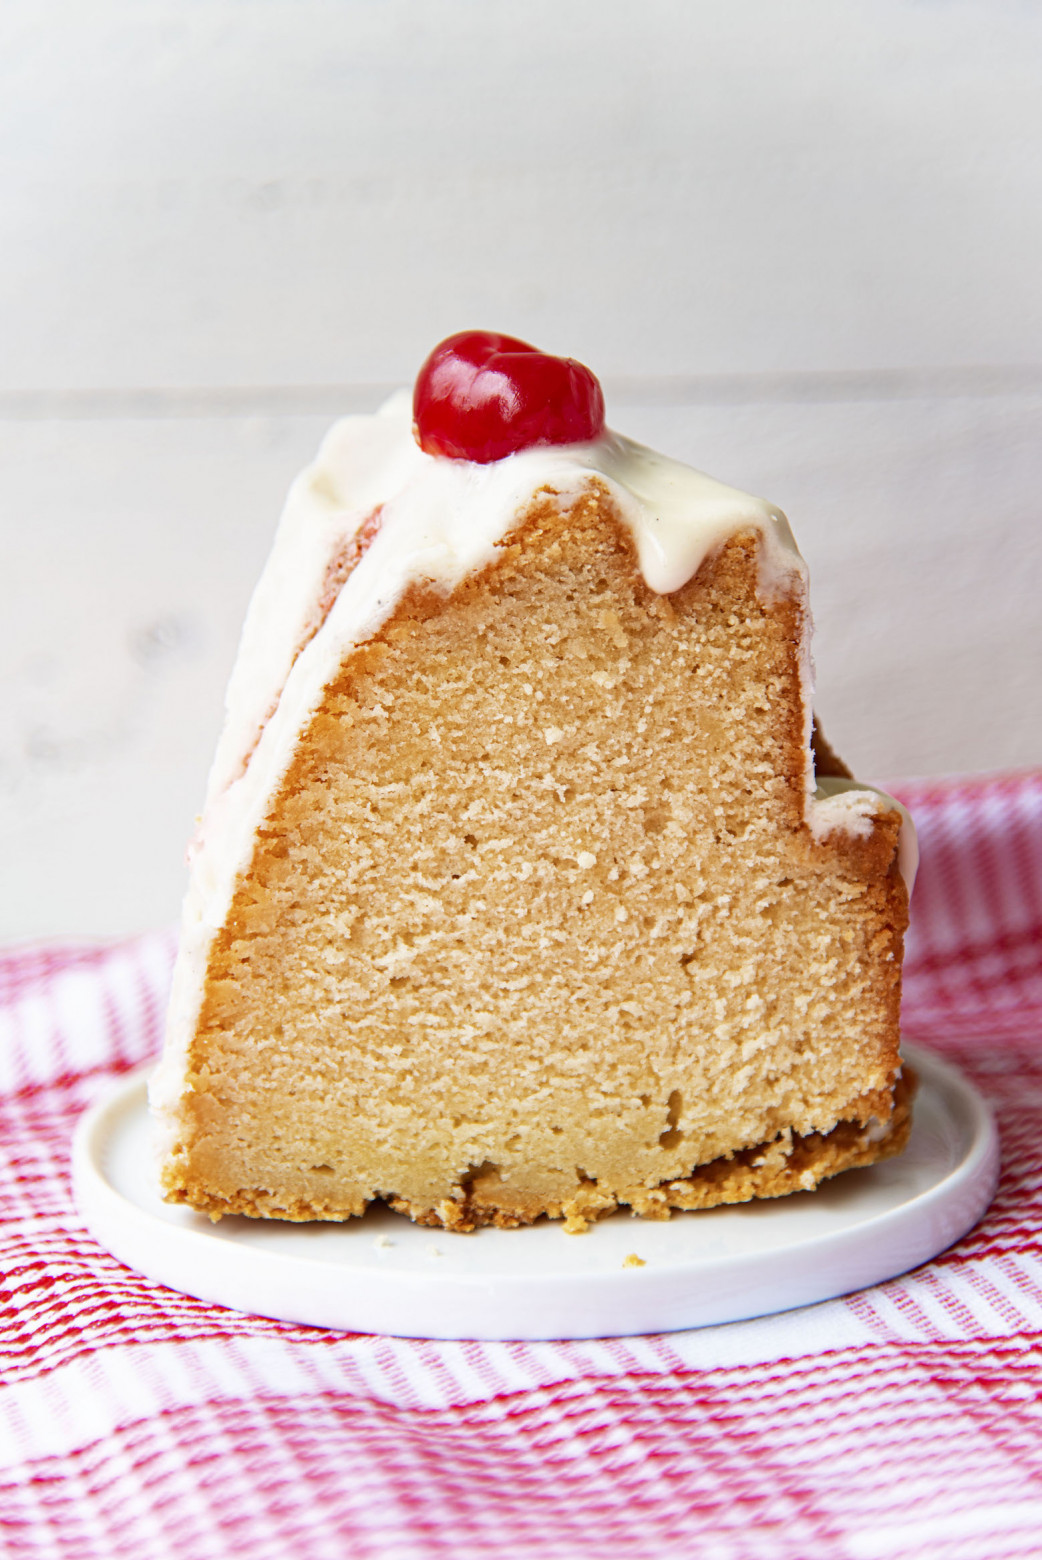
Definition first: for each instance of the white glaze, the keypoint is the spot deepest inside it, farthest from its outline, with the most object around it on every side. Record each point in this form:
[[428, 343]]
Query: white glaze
[[851, 806], [440, 521]]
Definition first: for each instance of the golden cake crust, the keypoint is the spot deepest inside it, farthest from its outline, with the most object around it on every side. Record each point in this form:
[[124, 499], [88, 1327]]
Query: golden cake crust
[[778, 1169]]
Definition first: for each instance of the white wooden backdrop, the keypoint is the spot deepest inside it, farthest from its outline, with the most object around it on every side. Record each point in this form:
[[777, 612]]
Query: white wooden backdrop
[[800, 242]]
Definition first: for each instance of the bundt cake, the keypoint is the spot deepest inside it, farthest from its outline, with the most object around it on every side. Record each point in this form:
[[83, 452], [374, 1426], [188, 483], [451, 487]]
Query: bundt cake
[[524, 885]]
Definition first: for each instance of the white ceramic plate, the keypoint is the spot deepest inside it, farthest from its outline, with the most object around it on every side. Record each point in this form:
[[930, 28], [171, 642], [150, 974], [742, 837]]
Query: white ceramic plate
[[384, 1274]]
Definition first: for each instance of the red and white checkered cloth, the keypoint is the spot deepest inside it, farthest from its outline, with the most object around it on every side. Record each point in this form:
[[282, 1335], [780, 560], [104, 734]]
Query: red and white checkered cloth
[[904, 1421]]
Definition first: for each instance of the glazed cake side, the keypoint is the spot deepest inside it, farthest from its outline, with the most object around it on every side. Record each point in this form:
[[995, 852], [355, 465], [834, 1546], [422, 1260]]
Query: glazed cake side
[[539, 917]]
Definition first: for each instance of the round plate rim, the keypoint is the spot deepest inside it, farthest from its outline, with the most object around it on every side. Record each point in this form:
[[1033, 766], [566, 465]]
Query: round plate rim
[[103, 1206]]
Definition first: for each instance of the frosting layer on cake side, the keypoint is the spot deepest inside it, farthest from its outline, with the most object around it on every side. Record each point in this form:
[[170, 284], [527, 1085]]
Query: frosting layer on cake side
[[850, 806]]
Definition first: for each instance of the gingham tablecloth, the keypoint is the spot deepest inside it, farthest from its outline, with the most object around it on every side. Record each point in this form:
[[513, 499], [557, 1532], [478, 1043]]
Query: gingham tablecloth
[[906, 1420]]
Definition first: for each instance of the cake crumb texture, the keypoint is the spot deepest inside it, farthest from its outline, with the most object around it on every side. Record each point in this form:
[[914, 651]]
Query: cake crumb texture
[[534, 924]]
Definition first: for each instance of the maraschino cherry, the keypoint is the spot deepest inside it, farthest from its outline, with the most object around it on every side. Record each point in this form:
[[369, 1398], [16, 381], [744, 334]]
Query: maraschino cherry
[[481, 396]]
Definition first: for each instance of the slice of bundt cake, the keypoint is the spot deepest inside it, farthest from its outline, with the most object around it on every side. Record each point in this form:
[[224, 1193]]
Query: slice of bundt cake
[[517, 891]]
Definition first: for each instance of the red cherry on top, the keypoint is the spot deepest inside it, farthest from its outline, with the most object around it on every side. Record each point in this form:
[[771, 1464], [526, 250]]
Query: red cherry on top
[[481, 396]]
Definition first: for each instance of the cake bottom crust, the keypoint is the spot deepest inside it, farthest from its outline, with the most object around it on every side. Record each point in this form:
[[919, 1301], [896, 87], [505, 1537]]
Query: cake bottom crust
[[791, 1163]]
